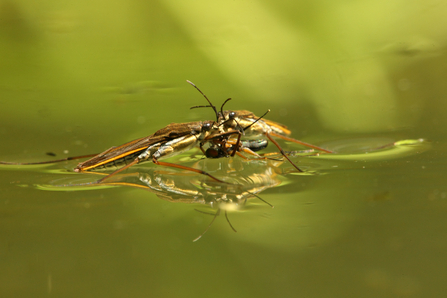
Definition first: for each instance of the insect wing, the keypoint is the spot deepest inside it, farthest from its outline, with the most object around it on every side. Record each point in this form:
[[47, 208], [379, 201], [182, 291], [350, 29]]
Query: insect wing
[[176, 130], [277, 127], [132, 148], [115, 153]]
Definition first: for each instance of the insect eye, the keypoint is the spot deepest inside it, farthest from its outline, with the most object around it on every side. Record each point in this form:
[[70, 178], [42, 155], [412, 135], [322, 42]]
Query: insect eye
[[232, 115], [206, 127]]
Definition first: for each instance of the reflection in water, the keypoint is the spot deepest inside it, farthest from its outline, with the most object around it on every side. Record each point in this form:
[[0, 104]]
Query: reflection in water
[[247, 178], [246, 181]]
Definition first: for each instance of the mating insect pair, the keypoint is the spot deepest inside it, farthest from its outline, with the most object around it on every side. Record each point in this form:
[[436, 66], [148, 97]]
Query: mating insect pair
[[223, 136]]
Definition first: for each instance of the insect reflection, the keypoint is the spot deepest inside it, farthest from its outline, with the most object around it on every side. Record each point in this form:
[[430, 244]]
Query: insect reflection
[[248, 181]]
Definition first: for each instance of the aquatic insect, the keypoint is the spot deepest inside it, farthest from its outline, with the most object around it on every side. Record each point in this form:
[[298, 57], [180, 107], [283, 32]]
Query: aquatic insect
[[250, 127], [253, 127], [245, 124], [220, 142], [166, 142]]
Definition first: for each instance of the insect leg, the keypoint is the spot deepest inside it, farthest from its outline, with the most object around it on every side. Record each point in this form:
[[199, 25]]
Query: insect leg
[[206, 230], [238, 143], [224, 138], [300, 142], [282, 151], [226, 216], [258, 156]]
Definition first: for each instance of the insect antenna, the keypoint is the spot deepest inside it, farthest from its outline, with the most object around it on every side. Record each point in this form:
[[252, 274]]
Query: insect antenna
[[195, 107], [256, 120], [242, 129], [210, 106], [221, 108]]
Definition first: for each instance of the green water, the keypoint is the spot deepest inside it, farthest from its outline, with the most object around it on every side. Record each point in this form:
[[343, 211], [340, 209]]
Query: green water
[[77, 78]]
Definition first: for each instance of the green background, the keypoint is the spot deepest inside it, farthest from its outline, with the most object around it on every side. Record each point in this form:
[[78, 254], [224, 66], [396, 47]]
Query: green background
[[77, 77]]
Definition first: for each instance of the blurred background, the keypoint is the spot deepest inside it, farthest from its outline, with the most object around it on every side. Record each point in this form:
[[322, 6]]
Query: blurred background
[[77, 77], [347, 66]]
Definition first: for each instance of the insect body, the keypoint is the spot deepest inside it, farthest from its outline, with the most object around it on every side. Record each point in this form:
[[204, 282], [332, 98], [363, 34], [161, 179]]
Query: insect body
[[246, 124], [253, 127], [166, 142]]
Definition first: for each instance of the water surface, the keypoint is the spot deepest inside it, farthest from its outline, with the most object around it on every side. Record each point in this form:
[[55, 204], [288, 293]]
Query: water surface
[[366, 222]]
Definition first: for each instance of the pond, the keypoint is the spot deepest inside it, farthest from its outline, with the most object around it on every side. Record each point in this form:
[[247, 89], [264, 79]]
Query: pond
[[366, 221]]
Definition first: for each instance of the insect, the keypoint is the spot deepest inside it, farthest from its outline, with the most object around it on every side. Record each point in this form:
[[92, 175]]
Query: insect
[[220, 143], [166, 142], [253, 127], [245, 123]]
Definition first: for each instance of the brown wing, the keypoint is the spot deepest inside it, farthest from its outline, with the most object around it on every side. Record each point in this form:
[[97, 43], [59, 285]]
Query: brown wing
[[170, 132], [277, 127], [176, 130], [244, 114], [114, 153]]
